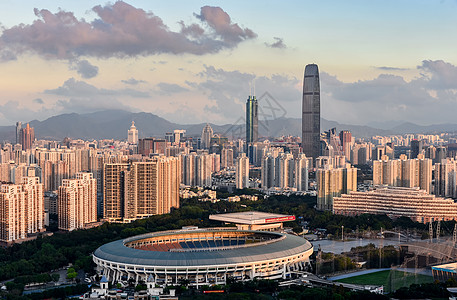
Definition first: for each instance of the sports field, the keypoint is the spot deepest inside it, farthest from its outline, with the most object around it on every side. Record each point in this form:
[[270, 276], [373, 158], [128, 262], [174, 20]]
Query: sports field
[[391, 279]]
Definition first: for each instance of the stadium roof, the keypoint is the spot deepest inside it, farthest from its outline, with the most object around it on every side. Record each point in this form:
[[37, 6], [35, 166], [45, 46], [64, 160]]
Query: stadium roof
[[252, 218], [451, 267], [283, 247]]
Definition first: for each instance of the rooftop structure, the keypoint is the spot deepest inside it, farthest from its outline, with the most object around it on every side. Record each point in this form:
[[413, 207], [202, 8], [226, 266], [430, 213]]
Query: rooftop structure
[[445, 272], [254, 220]]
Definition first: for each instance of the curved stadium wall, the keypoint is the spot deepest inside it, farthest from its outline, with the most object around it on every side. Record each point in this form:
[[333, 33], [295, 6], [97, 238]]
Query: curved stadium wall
[[203, 256]]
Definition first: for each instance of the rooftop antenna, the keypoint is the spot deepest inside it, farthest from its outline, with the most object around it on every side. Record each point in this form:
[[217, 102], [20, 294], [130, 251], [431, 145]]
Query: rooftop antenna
[[250, 89], [254, 86]]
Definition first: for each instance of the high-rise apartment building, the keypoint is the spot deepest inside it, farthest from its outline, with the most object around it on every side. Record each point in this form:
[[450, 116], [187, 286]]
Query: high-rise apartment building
[[311, 112], [252, 120], [27, 137], [21, 210], [197, 168], [242, 171], [286, 171], [207, 134], [301, 172], [446, 178], [77, 202], [132, 134], [139, 189], [226, 158], [403, 172], [332, 182], [281, 170]]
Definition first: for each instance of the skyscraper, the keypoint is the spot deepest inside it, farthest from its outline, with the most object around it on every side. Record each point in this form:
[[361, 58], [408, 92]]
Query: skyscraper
[[346, 141], [311, 112], [27, 137], [18, 132], [416, 148], [252, 120], [133, 134], [207, 134]]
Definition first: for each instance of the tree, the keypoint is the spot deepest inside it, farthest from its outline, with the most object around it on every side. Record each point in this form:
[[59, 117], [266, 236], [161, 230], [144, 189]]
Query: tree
[[71, 273]]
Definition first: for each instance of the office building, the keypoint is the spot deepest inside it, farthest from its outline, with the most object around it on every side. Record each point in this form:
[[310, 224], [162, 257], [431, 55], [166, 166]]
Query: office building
[[332, 182], [77, 202], [242, 171], [252, 120], [311, 112], [132, 134], [18, 132], [396, 202], [416, 148]]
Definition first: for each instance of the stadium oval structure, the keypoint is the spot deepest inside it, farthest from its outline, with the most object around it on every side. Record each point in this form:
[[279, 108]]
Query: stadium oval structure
[[203, 256]]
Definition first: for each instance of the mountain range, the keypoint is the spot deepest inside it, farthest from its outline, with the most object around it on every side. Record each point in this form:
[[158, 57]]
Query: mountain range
[[113, 124]]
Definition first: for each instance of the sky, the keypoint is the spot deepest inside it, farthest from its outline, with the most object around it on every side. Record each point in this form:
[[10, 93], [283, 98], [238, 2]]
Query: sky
[[381, 62]]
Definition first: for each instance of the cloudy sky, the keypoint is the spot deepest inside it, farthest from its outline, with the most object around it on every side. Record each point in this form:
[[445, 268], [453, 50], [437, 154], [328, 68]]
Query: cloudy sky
[[194, 61]]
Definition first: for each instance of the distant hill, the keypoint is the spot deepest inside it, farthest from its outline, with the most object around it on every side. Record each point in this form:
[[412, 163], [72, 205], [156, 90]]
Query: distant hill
[[113, 124]]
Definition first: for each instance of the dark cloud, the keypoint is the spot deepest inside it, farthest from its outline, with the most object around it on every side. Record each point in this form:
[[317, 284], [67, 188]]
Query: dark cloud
[[120, 30], [164, 88], [385, 68], [38, 101], [75, 88], [439, 74], [278, 43], [430, 98], [133, 81], [84, 68]]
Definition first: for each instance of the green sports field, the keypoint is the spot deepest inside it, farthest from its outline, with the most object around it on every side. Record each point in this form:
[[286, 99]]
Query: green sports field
[[390, 279]]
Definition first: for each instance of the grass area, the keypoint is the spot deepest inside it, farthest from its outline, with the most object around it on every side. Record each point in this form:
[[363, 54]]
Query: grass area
[[391, 279]]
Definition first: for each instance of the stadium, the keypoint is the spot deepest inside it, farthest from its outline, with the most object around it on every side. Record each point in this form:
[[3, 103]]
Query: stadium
[[203, 256]]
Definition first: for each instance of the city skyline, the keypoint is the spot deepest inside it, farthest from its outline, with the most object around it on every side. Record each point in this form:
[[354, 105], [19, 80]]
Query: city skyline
[[219, 50]]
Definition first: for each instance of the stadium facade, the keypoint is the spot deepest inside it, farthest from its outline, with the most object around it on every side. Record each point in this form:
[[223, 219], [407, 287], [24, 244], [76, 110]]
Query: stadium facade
[[203, 256]]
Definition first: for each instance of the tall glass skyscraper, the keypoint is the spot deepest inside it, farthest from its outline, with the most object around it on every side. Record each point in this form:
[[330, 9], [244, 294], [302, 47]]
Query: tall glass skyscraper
[[252, 120], [311, 116]]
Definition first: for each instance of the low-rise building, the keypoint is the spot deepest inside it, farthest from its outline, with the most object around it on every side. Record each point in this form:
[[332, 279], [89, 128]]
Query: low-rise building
[[395, 202]]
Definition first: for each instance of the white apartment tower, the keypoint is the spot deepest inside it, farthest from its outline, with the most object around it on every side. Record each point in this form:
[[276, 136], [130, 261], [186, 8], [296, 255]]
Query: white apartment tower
[[77, 203], [21, 209], [242, 171]]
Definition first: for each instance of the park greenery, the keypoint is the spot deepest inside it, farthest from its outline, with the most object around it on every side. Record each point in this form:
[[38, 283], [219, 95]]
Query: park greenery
[[34, 261]]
